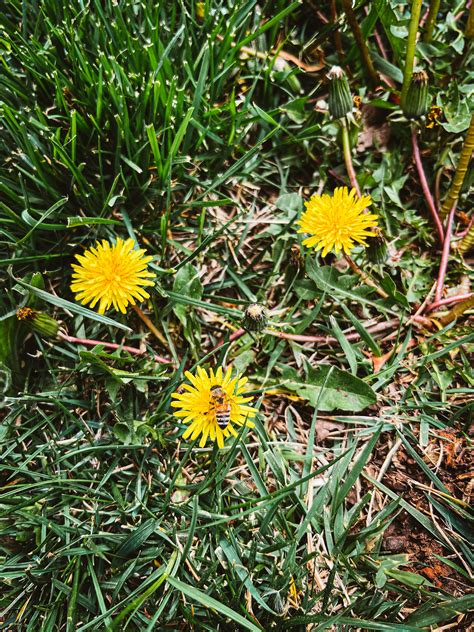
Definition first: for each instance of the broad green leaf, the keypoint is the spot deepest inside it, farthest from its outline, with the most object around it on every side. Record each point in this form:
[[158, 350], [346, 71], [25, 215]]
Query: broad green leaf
[[290, 203], [343, 391], [188, 284], [329, 280]]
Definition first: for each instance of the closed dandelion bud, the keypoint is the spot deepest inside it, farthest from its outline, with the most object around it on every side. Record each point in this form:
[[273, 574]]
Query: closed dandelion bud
[[415, 103], [340, 101], [377, 251], [255, 318], [40, 322]]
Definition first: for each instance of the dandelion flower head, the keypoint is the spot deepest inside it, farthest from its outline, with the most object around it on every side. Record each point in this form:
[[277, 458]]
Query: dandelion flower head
[[112, 274], [195, 406], [336, 222]]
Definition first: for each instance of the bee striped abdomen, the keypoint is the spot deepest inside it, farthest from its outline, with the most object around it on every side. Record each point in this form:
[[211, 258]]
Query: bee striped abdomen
[[220, 407]]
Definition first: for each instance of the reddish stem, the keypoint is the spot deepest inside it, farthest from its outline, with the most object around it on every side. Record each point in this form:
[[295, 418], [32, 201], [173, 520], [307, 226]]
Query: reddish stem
[[424, 184], [444, 257], [238, 333], [330, 339], [465, 232], [378, 327], [450, 299], [111, 345]]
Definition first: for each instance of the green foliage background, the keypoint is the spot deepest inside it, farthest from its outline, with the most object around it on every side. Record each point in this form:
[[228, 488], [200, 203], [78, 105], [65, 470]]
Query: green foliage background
[[154, 120]]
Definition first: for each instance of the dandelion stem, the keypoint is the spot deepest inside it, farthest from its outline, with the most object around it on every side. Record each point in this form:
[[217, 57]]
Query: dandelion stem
[[376, 328], [444, 257], [450, 299], [365, 277], [361, 42], [424, 184], [110, 345], [411, 45], [434, 8], [346, 148], [150, 325], [337, 33], [461, 170]]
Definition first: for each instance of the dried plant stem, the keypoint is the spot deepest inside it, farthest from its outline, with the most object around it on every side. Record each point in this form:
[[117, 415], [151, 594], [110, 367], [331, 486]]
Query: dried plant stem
[[365, 277], [431, 21], [469, 32], [361, 42], [444, 257], [424, 184], [457, 311], [385, 465], [467, 242], [150, 325], [411, 45], [346, 148], [464, 158], [110, 345]]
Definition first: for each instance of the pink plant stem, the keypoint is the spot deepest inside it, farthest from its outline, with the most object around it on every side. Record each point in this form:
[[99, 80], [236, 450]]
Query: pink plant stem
[[424, 18], [444, 257], [330, 339], [111, 345], [378, 39], [424, 184], [238, 333], [449, 300], [465, 232]]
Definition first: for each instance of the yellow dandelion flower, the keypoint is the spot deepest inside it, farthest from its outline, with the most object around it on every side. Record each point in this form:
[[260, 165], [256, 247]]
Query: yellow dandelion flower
[[209, 399], [112, 274], [336, 222]]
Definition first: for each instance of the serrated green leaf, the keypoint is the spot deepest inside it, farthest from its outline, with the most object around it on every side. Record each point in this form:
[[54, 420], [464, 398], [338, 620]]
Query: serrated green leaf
[[343, 391]]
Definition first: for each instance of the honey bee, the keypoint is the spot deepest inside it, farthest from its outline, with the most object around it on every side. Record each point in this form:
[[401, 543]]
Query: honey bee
[[221, 406]]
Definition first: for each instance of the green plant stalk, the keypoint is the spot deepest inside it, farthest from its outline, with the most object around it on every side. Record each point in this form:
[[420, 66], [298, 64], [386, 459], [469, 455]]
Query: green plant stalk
[[346, 148], [431, 21], [411, 45], [461, 170], [361, 42]]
